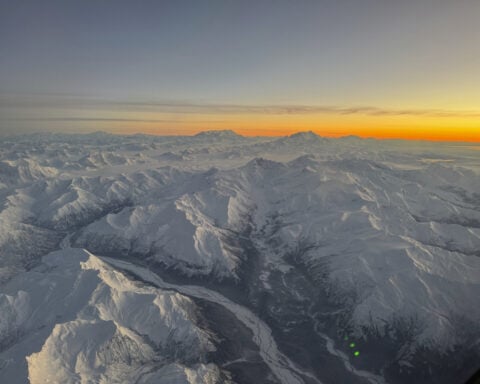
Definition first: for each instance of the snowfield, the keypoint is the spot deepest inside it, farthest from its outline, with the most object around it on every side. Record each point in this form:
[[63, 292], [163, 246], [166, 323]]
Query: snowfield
[[112, 249]]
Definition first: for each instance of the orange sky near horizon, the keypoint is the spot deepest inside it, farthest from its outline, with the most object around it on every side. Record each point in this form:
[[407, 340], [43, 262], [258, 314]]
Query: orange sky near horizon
[[180, 118], [380, 127]]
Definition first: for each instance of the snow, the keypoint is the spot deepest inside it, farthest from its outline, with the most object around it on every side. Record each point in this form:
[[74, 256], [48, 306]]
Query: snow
[[388, 229], [96, 324], [284, 369]]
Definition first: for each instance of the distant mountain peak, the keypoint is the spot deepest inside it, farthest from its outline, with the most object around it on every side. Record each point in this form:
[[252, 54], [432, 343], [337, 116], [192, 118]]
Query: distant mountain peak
[[351, 138], [220, 134], [304, 135]]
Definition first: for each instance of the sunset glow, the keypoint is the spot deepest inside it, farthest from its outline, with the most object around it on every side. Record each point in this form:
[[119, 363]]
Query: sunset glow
[[383, 70], [405, 127]]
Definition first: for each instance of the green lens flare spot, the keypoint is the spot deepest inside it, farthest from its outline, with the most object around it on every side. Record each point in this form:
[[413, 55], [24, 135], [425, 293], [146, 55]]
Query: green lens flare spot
[[352, 345], [356, 353]]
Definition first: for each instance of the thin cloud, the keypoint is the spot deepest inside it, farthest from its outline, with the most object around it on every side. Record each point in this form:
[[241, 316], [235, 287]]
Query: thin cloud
[[55, 101], [73, 119]]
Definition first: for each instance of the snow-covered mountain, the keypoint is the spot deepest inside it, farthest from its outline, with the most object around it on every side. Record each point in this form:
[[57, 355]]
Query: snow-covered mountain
[[356, 260], [77, 319]]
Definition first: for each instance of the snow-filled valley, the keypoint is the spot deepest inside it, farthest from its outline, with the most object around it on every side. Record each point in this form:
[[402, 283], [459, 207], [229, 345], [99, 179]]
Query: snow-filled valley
[[218, 258]]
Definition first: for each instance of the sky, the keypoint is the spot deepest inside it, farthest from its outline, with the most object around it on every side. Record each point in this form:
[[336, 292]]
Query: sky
[[372, 68]]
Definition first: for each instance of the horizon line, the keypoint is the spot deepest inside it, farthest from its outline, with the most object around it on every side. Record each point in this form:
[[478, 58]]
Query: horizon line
[[196, 133]]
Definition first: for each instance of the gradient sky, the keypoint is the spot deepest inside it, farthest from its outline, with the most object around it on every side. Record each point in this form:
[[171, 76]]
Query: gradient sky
[[380, 68]]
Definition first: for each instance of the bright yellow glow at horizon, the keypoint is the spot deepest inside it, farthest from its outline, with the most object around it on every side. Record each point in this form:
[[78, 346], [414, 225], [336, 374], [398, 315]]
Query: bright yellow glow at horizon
[[404, 122], [329, 125]]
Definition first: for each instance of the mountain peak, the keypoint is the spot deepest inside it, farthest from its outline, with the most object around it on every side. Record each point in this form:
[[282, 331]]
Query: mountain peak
[[220, 134], [351, 137], [304, 135]]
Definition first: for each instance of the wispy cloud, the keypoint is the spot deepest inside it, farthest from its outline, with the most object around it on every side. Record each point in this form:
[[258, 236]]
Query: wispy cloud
[[71, 102], [87, 119]]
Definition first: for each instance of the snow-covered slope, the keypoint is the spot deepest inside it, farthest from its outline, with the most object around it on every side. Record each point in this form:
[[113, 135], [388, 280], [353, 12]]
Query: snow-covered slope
[[78, 319], [323, 239]]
